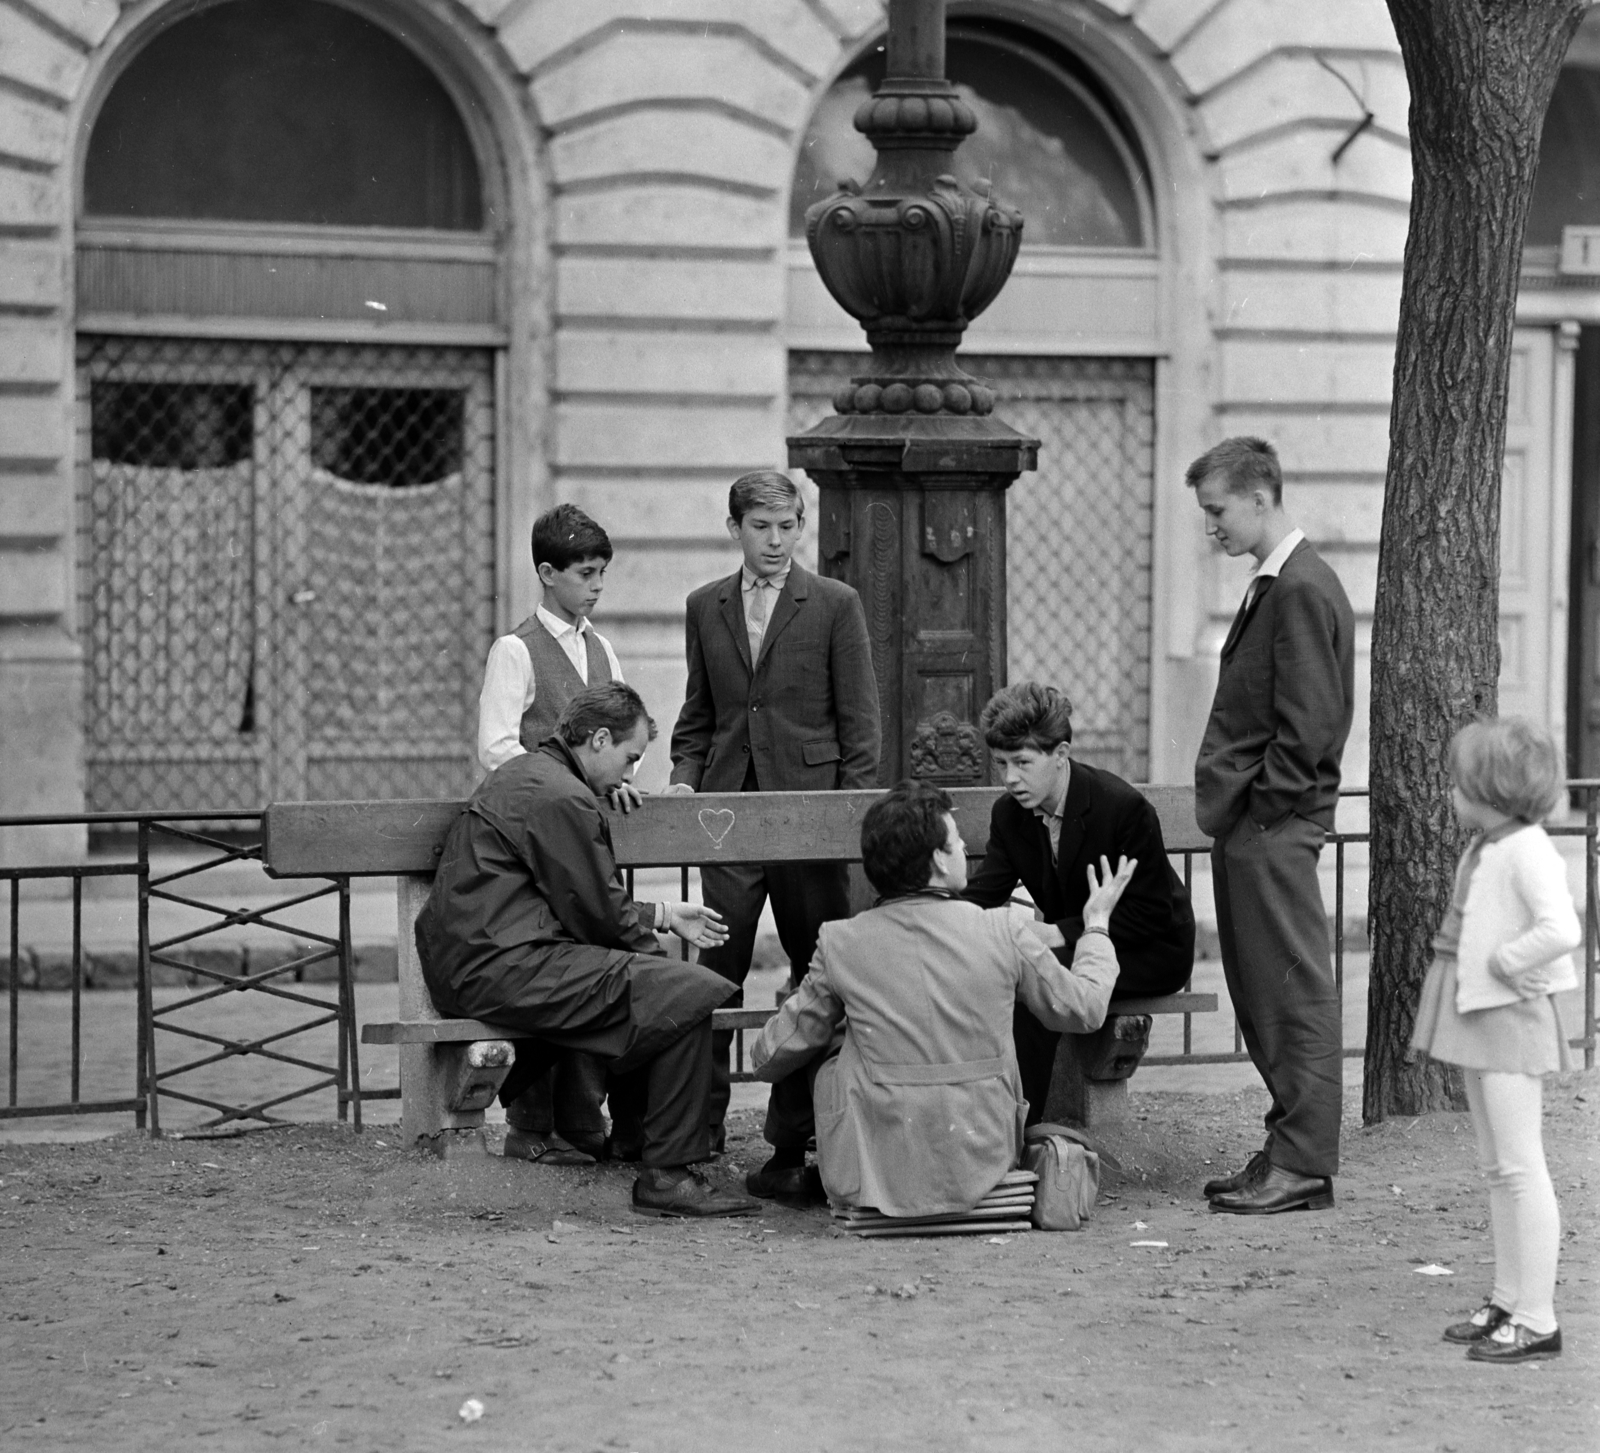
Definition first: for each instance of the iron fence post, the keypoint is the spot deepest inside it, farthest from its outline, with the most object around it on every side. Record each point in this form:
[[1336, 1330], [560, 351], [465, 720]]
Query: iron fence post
[[16, 975], [1591, 916], [349, 1036], [149, 1113]]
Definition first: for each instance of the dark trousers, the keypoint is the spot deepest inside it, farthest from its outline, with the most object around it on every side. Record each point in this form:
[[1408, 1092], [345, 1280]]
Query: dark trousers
[[804, 897], [1273, 932], [1139, 975], [566, 1099], [665, 1095]]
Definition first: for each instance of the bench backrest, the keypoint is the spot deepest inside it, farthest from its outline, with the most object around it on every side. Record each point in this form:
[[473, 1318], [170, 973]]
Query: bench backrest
[[364, 839]]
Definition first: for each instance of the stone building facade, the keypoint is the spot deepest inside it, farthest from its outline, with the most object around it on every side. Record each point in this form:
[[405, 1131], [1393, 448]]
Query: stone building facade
[[308, 307]]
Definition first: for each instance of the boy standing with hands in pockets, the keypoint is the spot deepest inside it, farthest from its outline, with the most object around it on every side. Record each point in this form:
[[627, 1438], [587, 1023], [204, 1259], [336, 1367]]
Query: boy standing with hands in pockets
[[781, 697], [529, 678]]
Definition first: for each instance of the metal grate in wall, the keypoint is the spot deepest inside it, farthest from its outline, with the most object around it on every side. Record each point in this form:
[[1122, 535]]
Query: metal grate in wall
[[1078, 533], [286, 569]]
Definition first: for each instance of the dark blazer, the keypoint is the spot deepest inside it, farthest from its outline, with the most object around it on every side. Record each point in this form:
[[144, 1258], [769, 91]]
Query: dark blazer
[[1285, 697], [806, 712], [1152, 927]]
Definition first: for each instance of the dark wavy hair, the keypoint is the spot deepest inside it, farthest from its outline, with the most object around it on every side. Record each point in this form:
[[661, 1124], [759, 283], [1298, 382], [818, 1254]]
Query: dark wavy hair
[[1026, 715], [614, 705], [900, 834], [565, 535]]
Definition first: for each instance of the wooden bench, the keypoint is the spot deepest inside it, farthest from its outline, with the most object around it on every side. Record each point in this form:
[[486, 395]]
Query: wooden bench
[[450, 1069]]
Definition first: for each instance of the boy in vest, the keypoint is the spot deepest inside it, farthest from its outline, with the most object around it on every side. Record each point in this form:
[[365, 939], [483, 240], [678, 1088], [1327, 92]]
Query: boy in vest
[[530, 677]]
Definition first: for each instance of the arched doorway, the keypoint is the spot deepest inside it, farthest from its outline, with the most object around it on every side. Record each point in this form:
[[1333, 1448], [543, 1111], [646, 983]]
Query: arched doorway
[[1052, 139], [288, 309]]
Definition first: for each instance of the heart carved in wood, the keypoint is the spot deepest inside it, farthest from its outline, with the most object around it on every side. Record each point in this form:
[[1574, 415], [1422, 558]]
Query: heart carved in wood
[[718, 823]]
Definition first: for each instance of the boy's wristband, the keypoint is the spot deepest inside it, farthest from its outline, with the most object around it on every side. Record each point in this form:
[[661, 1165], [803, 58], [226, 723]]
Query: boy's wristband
[[663, 917], [1096, 929]]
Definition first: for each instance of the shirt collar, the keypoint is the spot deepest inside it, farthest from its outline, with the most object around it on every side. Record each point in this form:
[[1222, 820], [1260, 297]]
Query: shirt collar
[[1274, 562], [747, 581], [558, 627]]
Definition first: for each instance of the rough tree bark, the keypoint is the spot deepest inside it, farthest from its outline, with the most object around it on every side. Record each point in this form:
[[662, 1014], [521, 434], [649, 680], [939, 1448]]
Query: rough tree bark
[[1481, 73]]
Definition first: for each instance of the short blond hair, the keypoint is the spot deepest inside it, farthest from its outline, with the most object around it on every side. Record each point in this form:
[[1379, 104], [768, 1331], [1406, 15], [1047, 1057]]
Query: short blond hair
[[1510, 764]]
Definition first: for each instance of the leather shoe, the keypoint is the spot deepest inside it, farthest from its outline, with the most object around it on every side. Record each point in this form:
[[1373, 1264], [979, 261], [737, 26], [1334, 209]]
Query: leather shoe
[[1256, 1167], [543, 1149], [1478, 1326], [680, 1191], [799, 1186], [1278, 1190], [1512, 1342]]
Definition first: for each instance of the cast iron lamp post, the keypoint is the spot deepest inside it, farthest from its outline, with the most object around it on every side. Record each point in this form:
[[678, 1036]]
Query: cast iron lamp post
[[913, 466]]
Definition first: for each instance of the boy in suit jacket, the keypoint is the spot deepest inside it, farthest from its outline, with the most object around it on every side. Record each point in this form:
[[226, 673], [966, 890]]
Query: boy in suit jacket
[[1057, 820], [781, 697], [1266, 784]]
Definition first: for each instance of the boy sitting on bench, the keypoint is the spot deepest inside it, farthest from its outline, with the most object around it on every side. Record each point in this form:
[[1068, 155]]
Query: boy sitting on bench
[[528, 926], [919, 1105]]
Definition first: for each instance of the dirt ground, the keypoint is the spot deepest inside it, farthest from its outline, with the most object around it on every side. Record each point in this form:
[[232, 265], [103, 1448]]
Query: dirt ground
[[307, 1286]]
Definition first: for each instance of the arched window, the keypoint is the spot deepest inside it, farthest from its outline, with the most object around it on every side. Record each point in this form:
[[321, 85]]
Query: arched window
[[286, 111], [1566, 192], [1050, 140]]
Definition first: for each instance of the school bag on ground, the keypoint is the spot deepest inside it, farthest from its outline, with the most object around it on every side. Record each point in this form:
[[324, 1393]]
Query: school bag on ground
[[1069, 1176]]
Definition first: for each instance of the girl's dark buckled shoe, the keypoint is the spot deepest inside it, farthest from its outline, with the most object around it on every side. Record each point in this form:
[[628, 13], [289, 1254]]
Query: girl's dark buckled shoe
[[1478, 1326]]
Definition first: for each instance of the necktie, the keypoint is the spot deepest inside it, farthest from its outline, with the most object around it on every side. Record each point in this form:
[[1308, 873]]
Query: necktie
[[756, 618]]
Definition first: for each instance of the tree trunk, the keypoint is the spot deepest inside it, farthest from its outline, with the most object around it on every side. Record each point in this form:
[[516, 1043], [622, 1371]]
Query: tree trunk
[[1481, 73]]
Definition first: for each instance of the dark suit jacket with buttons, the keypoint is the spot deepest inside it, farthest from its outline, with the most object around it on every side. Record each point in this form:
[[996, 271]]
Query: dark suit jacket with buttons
[[806, 712], [1285, 697], [1152, 926]]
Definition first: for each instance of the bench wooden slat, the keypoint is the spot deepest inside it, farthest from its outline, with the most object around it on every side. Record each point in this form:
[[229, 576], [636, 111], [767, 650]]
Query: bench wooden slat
[[370, 839], [1166, 1004], [457, 1031]]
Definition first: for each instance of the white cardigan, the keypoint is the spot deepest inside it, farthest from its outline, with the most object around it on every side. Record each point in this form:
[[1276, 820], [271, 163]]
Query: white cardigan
[[1518, 903]]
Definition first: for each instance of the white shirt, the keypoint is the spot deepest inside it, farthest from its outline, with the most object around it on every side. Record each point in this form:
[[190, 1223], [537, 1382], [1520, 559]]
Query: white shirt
[[752, 585], [1274, 562], [509, 687]]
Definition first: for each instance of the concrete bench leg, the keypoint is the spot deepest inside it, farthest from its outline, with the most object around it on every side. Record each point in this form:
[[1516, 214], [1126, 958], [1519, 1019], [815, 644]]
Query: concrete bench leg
[[1089, 1086], [445, 1089]]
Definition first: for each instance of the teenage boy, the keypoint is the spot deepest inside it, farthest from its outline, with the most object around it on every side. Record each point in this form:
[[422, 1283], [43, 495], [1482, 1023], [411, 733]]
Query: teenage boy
[[1056, 820], [530, 677], [781, 698], [1266, 783]]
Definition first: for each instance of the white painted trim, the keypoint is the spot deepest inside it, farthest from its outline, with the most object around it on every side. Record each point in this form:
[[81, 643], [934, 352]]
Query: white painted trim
[[310, 330], [285, 240]]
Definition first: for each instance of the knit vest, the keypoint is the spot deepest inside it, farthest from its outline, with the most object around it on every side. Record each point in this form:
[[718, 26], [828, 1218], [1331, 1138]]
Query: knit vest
[[555, 679]]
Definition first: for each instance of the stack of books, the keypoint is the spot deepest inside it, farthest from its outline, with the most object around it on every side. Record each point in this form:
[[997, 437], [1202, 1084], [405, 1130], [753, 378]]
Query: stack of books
[[1008, 1207]]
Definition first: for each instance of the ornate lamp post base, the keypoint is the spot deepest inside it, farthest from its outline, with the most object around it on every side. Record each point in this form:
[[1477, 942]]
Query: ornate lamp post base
[[914, 466], [913, 516]]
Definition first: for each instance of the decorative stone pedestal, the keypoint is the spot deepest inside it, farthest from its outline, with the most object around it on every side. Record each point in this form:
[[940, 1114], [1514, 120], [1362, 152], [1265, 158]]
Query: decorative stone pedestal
[[914, 466]]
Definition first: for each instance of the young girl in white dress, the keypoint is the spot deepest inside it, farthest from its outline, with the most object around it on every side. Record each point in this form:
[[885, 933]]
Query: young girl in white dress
[[1501, 955]]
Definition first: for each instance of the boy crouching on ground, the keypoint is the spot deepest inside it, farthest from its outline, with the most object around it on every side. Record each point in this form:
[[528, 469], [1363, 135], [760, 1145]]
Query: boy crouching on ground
[[919, 1105]]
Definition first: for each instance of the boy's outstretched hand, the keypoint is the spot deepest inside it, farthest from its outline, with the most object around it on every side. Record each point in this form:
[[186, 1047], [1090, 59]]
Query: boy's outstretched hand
[[696, 924], [1105, 888]]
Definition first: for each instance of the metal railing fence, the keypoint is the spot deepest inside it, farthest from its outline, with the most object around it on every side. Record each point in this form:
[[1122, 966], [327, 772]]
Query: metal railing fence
[[193, 958], [179, 956]]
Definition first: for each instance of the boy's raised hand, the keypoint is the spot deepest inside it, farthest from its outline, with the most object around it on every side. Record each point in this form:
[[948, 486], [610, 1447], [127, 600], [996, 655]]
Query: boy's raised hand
[[625, 798], [1105, 888]]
